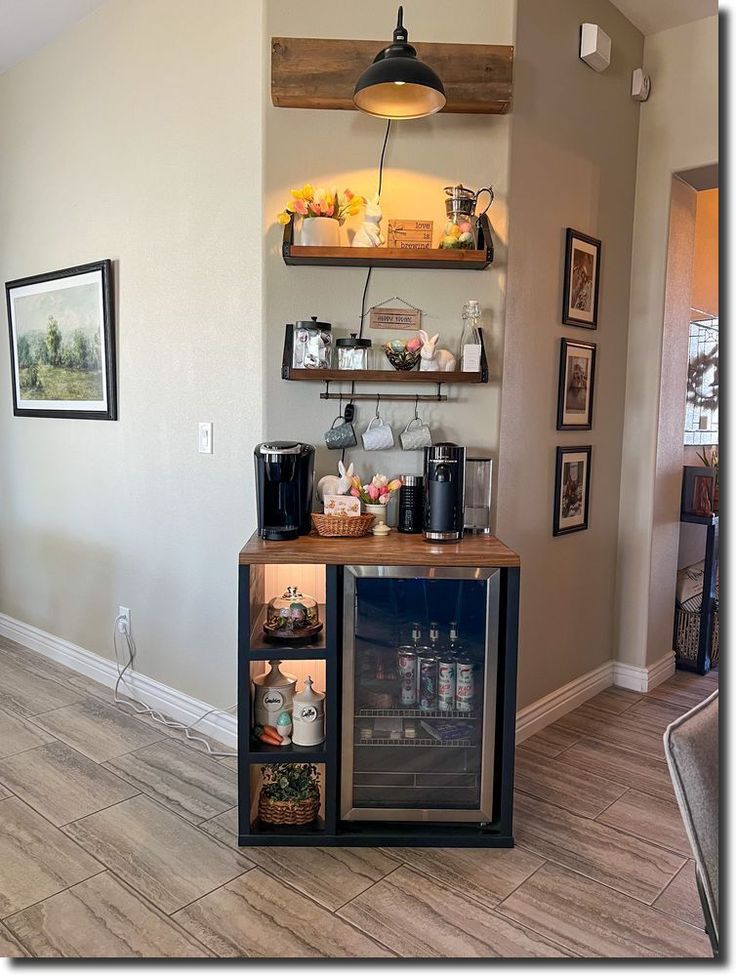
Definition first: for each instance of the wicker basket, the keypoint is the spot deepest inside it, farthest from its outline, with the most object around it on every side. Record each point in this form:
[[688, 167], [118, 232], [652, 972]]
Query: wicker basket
[[687, 632], [342, 526], [279, 813]]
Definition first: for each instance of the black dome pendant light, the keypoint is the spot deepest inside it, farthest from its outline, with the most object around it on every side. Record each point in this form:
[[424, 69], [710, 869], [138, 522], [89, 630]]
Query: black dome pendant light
[[398, 85]]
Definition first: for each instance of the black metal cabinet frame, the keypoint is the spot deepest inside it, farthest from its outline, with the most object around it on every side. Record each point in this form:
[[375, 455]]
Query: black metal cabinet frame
[[336, 832]]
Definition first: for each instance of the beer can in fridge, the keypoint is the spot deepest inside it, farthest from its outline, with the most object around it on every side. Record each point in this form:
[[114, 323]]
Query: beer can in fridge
[[407, 666], [428, 683], [446, 684], [465, 686]]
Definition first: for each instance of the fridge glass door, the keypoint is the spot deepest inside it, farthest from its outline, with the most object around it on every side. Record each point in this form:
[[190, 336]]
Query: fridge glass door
[[419, 693]]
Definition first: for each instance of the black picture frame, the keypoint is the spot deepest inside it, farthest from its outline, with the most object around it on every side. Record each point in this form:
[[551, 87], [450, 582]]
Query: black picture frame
[[108, 359], [563, 412], [571, 295], [558, 528]]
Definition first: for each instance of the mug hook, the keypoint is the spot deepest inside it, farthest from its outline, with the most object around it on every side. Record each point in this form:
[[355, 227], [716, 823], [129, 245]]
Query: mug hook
[[378, 405]]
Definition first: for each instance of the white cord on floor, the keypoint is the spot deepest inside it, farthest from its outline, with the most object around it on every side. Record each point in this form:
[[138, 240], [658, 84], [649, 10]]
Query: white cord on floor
[[144, 708]]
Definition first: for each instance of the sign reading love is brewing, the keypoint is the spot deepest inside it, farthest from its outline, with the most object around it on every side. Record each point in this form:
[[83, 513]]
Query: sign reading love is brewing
[[409, 318], [410, 234]]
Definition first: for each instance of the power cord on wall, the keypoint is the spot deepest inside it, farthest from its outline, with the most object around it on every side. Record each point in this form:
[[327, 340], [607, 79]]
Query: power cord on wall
[[138, 707]]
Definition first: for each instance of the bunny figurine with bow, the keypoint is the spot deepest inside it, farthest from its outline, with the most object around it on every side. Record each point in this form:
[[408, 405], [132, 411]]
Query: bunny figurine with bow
[[432, 358], [369, 234], [332, 484]]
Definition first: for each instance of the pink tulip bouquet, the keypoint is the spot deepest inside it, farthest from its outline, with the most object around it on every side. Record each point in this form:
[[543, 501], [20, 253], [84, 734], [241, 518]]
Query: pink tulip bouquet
[[311, 202], [379, 491]]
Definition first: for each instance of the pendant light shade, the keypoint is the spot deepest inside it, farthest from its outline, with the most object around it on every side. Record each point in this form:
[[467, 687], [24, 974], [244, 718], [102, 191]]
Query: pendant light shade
[[398, 85]]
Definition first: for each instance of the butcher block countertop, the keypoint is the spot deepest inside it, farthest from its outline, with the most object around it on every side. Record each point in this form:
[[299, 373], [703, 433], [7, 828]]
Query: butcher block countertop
[[477, 551]]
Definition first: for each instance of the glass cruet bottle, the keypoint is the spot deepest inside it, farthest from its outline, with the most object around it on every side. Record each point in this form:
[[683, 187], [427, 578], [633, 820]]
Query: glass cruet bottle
[[470, 348]]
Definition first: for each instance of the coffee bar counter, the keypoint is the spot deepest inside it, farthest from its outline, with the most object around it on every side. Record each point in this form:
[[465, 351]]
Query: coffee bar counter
[[377, 691], [394, 549]]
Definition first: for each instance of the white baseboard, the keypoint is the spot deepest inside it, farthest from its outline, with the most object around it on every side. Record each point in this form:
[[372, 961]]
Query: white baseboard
[[644, 678], [534, 717], [172, 703]]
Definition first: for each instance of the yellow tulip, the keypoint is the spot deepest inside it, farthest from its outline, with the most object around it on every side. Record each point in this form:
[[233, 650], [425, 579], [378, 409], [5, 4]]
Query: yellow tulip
[[298, 194], [284, 218], [307, 191]]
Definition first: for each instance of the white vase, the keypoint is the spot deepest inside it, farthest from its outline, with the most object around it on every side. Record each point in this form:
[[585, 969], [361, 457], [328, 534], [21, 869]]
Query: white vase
[[379, 510], [319, 232]]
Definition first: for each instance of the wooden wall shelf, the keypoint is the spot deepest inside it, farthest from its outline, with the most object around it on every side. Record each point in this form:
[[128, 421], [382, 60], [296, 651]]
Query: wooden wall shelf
[[309, 72], [434, 258], [386, 376], [381, 376]]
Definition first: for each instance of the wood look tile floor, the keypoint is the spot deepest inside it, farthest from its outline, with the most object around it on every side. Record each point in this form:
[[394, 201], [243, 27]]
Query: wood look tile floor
[[118, 840]]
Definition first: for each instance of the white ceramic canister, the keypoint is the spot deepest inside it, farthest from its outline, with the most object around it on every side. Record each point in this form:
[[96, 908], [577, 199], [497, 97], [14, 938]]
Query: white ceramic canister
[[274, 693], [308, 716]]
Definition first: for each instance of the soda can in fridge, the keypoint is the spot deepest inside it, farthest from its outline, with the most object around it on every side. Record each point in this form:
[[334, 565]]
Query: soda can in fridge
[[407, 666], [465, 686], [428, 683], [446, 684]]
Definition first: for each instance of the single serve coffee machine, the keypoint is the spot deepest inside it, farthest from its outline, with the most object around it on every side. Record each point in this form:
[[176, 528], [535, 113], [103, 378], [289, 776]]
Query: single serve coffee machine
[[284, 475], [444, 492]]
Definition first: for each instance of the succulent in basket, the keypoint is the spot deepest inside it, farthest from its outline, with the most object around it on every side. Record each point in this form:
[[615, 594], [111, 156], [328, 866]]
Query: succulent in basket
[[403, 354], [290, 782]]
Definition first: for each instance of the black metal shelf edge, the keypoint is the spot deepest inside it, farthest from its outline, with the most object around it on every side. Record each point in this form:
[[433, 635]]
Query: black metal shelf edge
[[259, 752], [278, 653], [693, 519]]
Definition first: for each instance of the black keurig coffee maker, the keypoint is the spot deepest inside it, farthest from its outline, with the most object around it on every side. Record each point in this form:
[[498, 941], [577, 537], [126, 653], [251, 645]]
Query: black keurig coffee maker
[[284, 473], [444, 490]]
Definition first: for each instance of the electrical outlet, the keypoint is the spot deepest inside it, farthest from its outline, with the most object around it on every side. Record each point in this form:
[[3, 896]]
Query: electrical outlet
[[123, 619], [205, 438]]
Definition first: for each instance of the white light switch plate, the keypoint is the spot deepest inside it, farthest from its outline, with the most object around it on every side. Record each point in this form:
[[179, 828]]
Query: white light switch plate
[[205, 438]]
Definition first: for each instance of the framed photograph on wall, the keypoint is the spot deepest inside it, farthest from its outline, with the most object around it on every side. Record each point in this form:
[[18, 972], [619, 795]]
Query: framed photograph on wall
[[577, 379], [62, 343], [572, 490], [582, 276]]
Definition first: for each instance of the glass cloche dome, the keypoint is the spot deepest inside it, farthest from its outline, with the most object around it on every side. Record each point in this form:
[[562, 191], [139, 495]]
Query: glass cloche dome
[[294, 615]]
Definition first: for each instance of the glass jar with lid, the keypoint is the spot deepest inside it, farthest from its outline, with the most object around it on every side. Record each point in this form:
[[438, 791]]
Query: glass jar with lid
[[312, 345], [292, 616], [352, 353]]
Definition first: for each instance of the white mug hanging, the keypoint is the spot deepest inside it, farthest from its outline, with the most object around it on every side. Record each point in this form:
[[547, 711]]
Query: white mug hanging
[[416, 435], [378, 435]]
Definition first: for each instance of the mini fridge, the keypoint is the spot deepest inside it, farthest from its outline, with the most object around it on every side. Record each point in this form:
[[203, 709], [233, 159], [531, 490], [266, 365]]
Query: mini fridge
[[420, 683]]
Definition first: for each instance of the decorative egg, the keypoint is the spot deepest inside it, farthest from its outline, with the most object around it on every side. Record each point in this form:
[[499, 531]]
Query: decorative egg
[[283, 720], [465, 238], [465, 227]]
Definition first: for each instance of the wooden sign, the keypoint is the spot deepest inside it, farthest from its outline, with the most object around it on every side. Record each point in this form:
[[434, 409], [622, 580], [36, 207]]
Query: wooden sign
[[409, 318], [415, 234]]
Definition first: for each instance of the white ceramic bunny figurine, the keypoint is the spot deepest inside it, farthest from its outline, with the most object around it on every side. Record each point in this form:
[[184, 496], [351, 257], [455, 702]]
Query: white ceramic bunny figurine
[[432, 358], [369, 234], [332, 484]]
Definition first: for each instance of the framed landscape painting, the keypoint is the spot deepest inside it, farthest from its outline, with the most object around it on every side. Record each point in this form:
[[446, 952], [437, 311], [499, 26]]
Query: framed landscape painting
[[62, 343], [572, 490], [577, 380], [582, 277]]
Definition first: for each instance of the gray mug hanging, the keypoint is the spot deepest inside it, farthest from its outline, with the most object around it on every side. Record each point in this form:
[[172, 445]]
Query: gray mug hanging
[[341, 434], [416, 435]]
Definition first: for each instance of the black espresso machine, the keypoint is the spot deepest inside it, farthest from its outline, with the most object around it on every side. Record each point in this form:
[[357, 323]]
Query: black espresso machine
[[284, 475], [444, 492]]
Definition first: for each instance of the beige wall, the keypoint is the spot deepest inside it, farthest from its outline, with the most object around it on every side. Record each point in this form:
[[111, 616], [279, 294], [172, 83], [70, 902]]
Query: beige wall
[[678, 131], [342, 148], [705, 259], [573, 162], [136, 136]]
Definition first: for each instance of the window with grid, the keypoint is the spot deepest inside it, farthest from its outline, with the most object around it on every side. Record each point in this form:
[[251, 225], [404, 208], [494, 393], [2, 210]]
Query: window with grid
[[701, 406]]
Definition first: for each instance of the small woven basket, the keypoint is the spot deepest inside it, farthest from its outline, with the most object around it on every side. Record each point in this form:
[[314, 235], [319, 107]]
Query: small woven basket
[[342, 526], [280, 813]]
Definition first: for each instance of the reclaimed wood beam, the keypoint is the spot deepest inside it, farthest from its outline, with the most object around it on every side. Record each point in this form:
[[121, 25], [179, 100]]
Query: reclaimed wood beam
[[315, 73]]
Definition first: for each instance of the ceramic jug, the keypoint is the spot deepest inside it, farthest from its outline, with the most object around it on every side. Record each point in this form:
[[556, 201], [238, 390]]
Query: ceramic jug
[[308, 716]]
